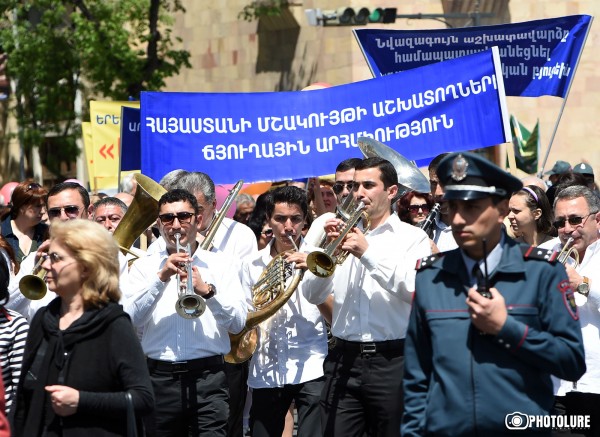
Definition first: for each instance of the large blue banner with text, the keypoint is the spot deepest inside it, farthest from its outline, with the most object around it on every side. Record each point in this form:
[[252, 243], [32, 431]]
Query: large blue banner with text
[[538, 57], [453, 105]]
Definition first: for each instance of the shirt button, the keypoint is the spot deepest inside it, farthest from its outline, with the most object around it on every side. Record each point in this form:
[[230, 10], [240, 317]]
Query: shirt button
[[507, 346], [500, 341]]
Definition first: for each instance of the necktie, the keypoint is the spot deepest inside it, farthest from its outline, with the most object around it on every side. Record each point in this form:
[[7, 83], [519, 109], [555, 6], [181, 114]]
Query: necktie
[[481, 286]]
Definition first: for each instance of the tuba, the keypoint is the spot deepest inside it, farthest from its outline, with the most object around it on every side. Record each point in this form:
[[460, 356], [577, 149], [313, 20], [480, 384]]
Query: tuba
[[141, 213], [273, 289], [568, 254], [216, 222], [410, 177]]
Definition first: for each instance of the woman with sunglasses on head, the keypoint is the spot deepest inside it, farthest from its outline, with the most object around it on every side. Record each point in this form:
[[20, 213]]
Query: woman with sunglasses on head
[[82, 357], [23, 227], [530, 216]]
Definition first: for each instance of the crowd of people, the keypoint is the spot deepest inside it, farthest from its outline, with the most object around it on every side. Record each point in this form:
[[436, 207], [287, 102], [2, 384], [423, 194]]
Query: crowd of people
[[471, 309]]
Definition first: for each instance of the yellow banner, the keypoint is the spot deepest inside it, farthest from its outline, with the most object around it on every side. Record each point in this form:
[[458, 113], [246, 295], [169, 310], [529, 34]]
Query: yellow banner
[[106, 138], [88, 148]]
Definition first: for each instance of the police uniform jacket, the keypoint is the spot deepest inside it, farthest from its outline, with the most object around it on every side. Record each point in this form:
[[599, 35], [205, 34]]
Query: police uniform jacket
[[459, 381]]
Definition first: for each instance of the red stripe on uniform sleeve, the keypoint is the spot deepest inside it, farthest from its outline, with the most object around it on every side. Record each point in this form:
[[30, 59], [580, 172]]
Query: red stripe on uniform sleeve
[[523, 338]]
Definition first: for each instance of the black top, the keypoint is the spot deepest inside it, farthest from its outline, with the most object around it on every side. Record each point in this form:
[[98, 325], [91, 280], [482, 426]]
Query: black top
[[99, 355]]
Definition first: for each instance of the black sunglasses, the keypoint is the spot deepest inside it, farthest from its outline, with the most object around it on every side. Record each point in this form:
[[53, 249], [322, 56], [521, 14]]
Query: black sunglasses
[[183, 217], [415, 208], [573, 221], [267, 232], [338, 187], [71, 211]]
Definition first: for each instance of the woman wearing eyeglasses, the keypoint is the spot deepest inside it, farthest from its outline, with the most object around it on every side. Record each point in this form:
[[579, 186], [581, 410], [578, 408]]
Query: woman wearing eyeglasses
[[23, 227], [530, 216], [82, 355]]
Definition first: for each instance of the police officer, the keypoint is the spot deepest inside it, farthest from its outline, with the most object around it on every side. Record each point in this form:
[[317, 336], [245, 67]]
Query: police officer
[[491, 320]]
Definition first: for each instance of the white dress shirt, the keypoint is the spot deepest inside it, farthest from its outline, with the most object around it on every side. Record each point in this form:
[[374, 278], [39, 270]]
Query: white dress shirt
[[589, 319], [373, 294], [27, 308], [292, 344], [442, 236], [168, 336]]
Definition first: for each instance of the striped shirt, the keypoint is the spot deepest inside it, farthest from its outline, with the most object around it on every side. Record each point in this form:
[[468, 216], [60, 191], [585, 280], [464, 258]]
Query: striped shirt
[[13, 333]]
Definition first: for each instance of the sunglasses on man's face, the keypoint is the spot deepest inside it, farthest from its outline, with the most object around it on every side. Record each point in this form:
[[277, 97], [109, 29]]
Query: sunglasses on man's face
[[183, 217], [573, 220], [415, 208], [338, 187], [71, 211], [267, 233]]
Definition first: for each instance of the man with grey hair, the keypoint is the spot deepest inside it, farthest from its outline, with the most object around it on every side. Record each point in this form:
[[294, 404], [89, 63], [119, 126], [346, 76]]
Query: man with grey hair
[[577, 217], [108, 212], [244, 205]]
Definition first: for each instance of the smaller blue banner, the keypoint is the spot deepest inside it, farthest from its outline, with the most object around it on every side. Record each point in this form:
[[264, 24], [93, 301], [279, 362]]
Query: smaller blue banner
[[131, 149]]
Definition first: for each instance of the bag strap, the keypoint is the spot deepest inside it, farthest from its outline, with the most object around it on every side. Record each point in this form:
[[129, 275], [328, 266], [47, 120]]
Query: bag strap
[[131, 425]]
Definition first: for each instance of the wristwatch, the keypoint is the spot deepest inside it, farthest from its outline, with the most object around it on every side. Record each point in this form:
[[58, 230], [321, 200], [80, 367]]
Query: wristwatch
[[584, 287], [212, 290]]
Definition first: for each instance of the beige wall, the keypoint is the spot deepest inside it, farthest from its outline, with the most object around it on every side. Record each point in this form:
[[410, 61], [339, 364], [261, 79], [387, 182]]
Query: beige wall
[[226, 55]]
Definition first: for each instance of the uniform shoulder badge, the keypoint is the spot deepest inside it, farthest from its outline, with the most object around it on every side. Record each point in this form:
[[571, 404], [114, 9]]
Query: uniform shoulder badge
[[530, 252], [428, 261]]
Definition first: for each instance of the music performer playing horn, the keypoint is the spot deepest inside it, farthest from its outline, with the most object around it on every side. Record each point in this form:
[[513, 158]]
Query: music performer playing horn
[[577, 217], [233, 239], [373, 292], [185, 355], [288, 363]]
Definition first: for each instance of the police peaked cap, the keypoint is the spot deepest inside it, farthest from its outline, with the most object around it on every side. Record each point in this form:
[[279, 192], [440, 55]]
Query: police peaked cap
[[467, 176]]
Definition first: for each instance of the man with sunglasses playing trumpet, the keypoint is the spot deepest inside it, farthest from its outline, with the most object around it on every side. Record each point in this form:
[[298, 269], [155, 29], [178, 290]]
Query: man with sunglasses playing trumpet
[[65, 201], [577, 217], [288, 363], [185, 355]]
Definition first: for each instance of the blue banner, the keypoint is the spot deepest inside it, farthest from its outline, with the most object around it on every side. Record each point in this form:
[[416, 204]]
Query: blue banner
[[538, 57], [454, 105], [131, 150]]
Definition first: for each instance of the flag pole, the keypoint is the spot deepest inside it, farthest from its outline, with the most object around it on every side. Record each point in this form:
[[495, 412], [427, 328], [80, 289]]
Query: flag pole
[[562, 108]]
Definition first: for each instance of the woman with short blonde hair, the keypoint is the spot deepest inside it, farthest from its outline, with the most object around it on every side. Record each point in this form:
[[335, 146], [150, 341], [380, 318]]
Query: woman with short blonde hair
[[83, 363], [98, 253]]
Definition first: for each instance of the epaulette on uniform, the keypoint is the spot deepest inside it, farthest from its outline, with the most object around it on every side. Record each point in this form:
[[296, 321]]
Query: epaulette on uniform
[[530, 252], [428, 261]]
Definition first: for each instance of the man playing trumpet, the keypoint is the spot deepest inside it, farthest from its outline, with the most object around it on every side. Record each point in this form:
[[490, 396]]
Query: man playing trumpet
[[576, 215], [288, 363], [185, 355]]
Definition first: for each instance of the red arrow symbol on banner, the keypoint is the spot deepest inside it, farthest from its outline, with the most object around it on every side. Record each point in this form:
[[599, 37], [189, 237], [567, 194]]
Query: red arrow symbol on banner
[[109, 151], [102, 151]]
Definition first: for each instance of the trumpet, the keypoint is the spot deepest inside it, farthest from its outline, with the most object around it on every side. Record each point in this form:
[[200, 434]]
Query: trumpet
[[33, 286], [322, 264], [568, 254], [189, 305]]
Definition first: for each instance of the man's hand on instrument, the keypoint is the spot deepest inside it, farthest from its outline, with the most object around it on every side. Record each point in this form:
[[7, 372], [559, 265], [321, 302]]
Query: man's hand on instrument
[[574, 278], [487, 315], [355, 242], [175, 264], [299, 258]]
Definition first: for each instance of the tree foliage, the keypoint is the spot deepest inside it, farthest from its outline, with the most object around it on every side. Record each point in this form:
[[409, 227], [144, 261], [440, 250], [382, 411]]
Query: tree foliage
[[108, 49]]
